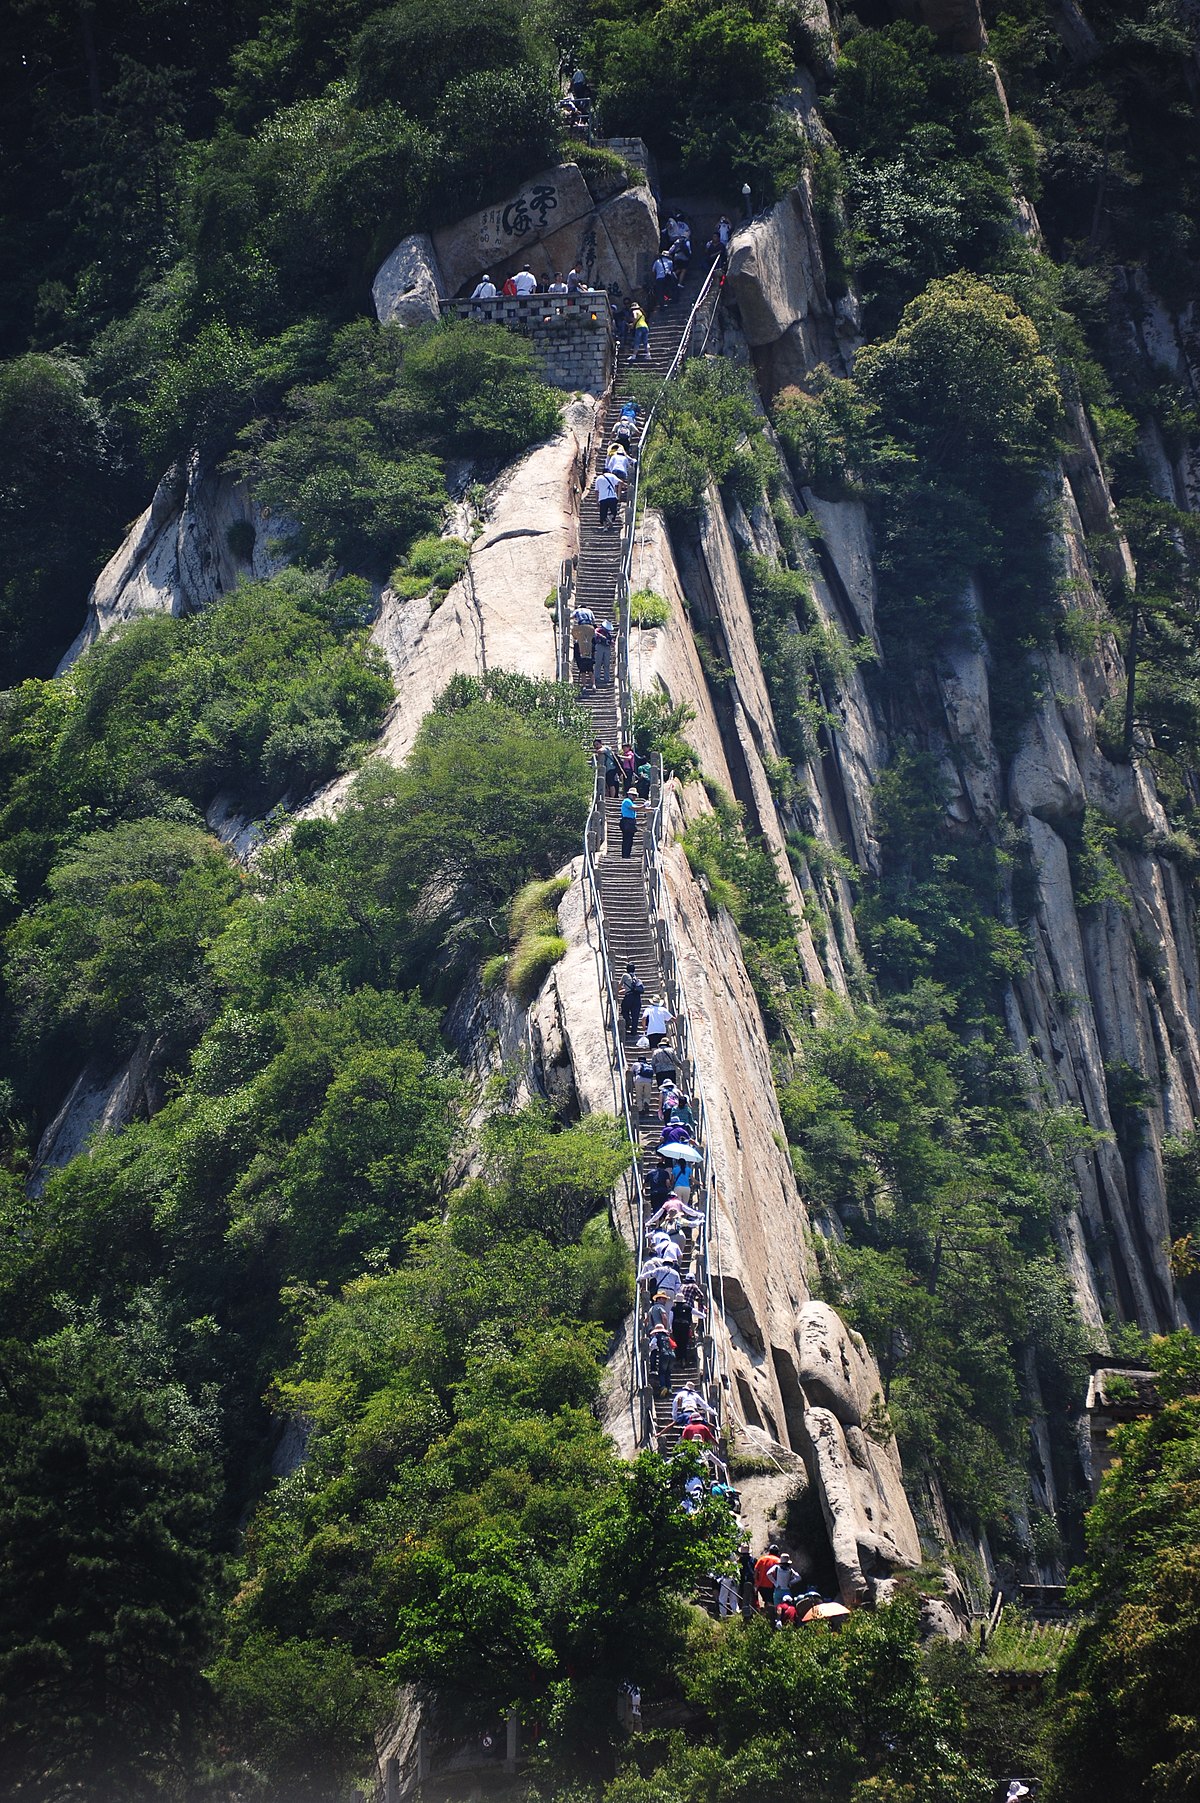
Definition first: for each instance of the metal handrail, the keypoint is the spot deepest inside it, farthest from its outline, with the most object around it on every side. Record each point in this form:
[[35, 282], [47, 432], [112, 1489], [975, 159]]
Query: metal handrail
[[594, 837], [669, 963], [623, 690], [562, 621]]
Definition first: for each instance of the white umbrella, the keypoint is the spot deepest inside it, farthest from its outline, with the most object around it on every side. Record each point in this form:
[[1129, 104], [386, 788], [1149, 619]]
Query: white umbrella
[[682, 1154]]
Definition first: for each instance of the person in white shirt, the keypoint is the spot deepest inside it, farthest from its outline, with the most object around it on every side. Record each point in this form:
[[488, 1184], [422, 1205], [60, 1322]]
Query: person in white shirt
[[657, 1021], [608, 495], [525, 281], [557, 286], [689, 1403], [485, 290]]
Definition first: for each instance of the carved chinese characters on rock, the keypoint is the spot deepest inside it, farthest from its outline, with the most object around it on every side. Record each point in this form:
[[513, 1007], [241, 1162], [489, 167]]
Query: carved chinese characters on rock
[[502, 229]]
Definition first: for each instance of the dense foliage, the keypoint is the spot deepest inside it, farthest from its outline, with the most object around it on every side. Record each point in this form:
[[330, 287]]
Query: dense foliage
[[1127, 1715], [307, 1117]]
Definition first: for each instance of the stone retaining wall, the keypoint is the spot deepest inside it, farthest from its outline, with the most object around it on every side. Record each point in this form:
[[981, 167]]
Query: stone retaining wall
[[571, 334]]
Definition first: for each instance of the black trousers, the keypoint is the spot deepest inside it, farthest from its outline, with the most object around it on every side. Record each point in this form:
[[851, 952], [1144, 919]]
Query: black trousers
[[628, 829]]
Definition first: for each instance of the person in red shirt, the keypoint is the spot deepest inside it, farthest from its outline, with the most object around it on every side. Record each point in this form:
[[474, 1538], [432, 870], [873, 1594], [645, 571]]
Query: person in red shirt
[[785, 1613], [764, 1578], [699, 1430]]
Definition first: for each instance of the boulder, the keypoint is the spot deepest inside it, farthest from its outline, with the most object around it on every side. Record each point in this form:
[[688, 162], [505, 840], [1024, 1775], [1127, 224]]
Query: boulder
[[832, 1366], [407, 286], [870, 1525], [776, 276], [554, 224], [1044, 778]]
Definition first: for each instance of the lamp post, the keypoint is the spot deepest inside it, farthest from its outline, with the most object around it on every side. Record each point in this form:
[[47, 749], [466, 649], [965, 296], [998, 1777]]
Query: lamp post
[[746, 201]]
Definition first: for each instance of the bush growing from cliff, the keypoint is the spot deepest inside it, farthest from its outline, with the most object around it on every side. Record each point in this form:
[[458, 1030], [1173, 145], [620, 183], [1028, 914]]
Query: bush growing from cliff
[[57, 482], [267, 690], [952, 423], [1126, 1715], [119, 945], [357, 460], [926, 164]]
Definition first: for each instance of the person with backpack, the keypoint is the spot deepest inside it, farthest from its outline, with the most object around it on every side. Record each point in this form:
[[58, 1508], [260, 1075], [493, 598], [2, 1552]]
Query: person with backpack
[[645, 777], [612, 770], [626, 424], [661, 1360], [681, 1328], [608, 497], [658, 1182], [604, 648], [641, 1084], [630, 990]]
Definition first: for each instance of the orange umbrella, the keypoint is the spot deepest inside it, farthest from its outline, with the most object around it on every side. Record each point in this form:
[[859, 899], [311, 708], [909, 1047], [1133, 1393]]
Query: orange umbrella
[[826, 1612]]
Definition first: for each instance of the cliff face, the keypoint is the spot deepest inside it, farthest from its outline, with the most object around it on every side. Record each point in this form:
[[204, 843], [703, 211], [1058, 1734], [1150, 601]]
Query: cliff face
[[1111, 986]]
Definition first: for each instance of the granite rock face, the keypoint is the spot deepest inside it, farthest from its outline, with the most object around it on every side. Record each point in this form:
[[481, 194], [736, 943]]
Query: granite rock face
[[776, 277], [201, 535], [554, 224]]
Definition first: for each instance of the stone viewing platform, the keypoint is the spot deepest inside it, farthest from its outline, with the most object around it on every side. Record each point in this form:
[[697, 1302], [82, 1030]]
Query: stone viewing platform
[[571, 334]]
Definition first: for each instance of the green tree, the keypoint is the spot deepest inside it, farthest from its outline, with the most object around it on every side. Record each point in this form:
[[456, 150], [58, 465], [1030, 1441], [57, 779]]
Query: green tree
[[119, 945], [844, 1717], [107, 1576], [54, 486]]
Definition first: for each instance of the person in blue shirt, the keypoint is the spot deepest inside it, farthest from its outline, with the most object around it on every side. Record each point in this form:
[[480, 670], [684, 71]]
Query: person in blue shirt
[[629, 825]]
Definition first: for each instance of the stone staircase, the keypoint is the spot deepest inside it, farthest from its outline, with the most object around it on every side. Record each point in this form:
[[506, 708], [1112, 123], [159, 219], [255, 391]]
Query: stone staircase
[[622, 882]]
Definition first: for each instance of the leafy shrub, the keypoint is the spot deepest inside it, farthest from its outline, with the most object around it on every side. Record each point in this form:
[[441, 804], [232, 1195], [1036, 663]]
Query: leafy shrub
[[646, 609], [118, 945], [357, 458], [432, 563], [696, 80], [658, 728], [926, 163], [704, 417], [412, 51]]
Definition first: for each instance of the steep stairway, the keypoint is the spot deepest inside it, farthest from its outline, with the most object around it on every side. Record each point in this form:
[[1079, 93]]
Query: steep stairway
[[624, 901]]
